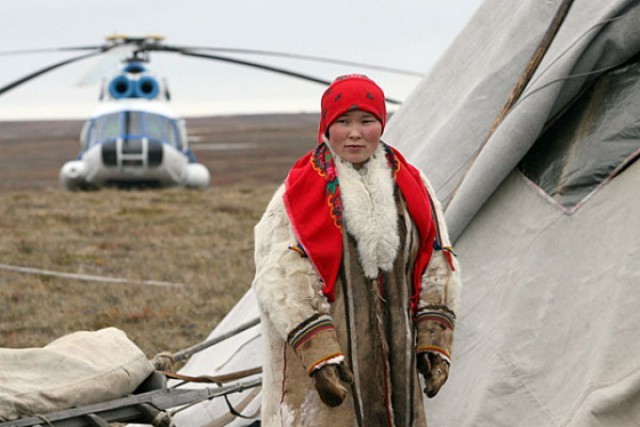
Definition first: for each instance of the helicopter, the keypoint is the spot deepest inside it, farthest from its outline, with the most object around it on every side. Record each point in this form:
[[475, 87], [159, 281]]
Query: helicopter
[[133, 138]]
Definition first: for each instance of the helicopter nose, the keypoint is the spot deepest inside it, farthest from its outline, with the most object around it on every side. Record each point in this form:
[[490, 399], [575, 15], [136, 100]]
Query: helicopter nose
[[72, 174]]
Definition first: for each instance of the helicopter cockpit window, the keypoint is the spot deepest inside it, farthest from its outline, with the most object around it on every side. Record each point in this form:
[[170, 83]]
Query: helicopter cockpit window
[[134, 125], [105, 128], [593, 141], [152, 126], [160, 128], [155, 126], [172, 135]]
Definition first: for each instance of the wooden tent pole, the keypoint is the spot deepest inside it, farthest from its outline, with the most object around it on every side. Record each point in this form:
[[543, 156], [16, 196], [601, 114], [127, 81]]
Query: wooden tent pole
[[521, 84]]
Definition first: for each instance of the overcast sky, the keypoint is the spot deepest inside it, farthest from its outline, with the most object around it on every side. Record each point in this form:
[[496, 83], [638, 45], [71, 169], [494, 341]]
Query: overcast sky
[[403, 34]]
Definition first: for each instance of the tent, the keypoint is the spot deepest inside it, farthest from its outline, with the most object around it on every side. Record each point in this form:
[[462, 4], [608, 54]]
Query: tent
[[528, 128]]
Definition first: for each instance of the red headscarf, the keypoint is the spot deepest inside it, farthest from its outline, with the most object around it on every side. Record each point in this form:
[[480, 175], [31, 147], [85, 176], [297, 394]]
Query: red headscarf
[[347, 93]]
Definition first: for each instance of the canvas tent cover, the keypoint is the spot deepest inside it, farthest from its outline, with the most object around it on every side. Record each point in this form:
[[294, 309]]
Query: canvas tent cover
[[543, 211]]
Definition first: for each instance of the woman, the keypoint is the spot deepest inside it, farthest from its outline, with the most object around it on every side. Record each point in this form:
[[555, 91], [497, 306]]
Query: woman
[[355, 281]]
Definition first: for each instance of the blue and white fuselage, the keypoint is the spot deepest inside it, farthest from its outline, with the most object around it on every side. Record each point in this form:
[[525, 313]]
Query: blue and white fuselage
[[134, 141]]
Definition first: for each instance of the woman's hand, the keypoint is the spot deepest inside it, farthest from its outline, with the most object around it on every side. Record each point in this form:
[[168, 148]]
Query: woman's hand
[[435, 371]]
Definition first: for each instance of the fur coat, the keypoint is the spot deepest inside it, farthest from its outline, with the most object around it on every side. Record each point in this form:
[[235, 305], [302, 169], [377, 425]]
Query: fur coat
[[370, 326]]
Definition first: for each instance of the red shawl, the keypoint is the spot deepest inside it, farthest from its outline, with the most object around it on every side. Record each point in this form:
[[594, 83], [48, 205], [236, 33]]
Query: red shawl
[[313, 204]]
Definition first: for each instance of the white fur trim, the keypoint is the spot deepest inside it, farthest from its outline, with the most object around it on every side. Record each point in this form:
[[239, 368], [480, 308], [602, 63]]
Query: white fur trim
[[333, 361], [441, 356], [370, 213]]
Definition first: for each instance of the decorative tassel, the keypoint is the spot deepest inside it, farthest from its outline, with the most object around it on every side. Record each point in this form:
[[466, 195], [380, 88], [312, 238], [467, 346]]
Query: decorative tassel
[[449, 254], [298, 248]]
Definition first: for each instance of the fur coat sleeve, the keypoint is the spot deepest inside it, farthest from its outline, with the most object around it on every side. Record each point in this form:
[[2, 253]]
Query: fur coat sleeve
[[439, 292], [289, 291], [285, 278]]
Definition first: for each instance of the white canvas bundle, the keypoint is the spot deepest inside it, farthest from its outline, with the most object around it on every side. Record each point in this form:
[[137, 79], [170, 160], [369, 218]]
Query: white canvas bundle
[[77, 369]]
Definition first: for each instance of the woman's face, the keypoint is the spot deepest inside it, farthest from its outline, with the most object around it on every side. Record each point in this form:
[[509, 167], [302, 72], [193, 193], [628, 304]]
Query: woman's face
[[355, 136]]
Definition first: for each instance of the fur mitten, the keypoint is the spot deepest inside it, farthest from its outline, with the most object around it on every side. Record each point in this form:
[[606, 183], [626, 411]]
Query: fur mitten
[[327, 381], [435, 371], [433, 346]]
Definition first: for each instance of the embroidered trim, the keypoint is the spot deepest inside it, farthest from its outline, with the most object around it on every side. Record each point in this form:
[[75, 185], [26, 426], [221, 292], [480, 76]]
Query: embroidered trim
[[440, 308], [307, 329], [435, 316], [323, 163], [394, 164], [435, 349]]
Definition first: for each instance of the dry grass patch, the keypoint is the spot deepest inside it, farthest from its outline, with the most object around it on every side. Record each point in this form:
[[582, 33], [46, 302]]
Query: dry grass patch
[[203, 240]]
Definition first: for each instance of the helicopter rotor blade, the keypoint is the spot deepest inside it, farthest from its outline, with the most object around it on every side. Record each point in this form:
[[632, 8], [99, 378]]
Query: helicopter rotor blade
[[303, 57], [46, 70], [265, 67], [141, 45], [49, 50]]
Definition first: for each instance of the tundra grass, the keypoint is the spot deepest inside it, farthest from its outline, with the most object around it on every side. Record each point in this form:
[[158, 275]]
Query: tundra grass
[[201, 240]]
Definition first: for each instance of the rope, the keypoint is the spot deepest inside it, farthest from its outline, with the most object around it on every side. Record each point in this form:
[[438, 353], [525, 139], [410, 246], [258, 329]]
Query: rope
[[233, 411], [218, 379], [86, 277], [239, 388]]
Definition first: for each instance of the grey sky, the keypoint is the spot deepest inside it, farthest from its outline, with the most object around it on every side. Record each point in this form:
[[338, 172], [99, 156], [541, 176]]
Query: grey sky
[[403, 34]]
